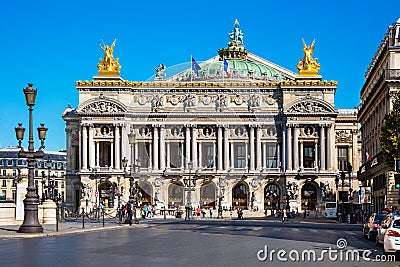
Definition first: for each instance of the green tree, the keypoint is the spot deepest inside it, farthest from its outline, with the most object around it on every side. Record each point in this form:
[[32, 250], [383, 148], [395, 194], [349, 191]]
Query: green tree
[[390, 134]]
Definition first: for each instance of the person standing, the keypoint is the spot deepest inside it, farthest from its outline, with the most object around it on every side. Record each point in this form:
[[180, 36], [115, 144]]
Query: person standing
[[129, 211], [284, 217], [211, 211]]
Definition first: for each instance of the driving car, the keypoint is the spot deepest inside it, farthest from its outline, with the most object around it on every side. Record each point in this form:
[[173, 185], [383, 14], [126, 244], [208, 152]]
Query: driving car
[[389, 233], [372, 224]]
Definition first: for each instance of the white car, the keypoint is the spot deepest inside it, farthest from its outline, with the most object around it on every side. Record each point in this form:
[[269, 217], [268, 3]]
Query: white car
[[389, 234]]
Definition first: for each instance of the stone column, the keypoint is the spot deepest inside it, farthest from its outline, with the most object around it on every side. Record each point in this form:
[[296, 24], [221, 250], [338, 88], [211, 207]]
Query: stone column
[[289, 148], [301, 155], [187, 141], [284, 147], [162, 147], [322, 146], [117, 164], [84, 147], [252, 152], [168, 155], [124, 142], [246, 148], [92, 147], [329, 147], [278, 155], [200, 154], [112, 154], [182, 157], [214, 155], [232, 155], [194, 147], [264, 157], [150, 155], [155, 148], [258, 150], [316, 155], [296, 147], [220, 154], [97, 153], [226, 148]]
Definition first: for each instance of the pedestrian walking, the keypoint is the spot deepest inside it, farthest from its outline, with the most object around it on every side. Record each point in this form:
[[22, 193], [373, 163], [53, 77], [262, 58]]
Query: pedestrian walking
[[211, 212], [284, 217]]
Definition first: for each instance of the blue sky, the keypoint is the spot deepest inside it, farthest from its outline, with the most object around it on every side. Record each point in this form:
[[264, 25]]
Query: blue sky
[[52, 44]]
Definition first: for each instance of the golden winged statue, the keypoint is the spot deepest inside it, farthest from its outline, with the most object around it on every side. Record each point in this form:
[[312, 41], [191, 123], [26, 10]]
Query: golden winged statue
[[308, 65], [108, 65]]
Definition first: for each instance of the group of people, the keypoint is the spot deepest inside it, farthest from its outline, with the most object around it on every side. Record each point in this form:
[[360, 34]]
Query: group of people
[[126, 211]]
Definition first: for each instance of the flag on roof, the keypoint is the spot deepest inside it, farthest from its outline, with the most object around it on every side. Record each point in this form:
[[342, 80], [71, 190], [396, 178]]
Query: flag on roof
[[226, 68], [195, 67]]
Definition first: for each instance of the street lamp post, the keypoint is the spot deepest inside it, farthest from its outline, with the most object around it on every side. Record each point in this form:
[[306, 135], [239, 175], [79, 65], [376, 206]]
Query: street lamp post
[[337, 196], [349, 170], [31, 221], [133, 186], [94, 176], [188, 188]]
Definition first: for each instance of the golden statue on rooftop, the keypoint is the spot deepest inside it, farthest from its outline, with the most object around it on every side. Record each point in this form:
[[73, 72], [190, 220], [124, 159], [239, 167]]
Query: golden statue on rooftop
[[108, 66], [308, 65]]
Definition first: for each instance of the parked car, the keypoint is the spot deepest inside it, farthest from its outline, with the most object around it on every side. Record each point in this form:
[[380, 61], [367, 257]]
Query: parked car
[[372, 224], [389, 233]]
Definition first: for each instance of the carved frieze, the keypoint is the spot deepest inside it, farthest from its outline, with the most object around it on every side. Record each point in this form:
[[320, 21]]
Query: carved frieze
[[158, 102], [175, 99], [344, 136], [222, 102], [102, 107]]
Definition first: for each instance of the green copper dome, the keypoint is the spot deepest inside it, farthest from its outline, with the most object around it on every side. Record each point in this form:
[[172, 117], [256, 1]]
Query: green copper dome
[[239, 68]]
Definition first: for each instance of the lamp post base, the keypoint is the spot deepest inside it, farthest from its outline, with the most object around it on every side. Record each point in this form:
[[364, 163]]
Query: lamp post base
[[31, 222]]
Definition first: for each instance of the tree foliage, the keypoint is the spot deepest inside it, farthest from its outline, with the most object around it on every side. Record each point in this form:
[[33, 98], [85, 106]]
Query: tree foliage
[[390, 134]]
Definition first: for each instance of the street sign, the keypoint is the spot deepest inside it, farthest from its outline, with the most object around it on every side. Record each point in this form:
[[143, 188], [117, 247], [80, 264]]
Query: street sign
[[96, 193]]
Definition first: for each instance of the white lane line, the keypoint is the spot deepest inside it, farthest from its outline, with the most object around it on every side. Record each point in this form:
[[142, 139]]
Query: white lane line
[[295, 230], [332, 232], [276, 229], [239, 228], [313, 230], [256, 228], [202, 227]]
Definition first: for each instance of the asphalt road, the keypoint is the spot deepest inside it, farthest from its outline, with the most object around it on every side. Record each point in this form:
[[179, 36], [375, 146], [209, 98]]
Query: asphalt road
[[200, 243]]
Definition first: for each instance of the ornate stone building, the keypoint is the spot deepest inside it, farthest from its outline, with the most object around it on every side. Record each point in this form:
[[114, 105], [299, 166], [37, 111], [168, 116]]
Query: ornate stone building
[[377, 95], [236, 128]]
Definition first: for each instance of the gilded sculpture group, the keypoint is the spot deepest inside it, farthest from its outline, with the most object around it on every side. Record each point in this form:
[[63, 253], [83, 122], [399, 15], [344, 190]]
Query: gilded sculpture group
[[108, 64], [308, 65]]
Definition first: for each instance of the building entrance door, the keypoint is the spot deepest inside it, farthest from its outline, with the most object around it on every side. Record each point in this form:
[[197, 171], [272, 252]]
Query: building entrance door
[[240, 196]]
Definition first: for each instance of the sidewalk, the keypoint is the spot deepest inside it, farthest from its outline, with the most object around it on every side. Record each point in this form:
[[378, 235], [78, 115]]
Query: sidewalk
[[64, 228]]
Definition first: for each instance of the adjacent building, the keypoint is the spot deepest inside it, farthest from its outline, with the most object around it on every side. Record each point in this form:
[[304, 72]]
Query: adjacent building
[[236, 130], [49, 174], [377, 94]]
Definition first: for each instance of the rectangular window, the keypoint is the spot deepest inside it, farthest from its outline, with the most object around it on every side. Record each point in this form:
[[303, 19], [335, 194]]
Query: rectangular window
[[62, 184], [271, 155], [13, 183], [308, 155], [56, 184], [14, 195], [175, 155], [207, 152], [3, 194], [342, 158], [14, 173], [36, 173], [240, 155], [10, 162], [4, 173], [4, 183], [144, 154]]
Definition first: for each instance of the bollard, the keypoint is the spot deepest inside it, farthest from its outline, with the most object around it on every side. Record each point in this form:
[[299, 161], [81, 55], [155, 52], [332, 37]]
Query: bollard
[[57, 214], [103, 217], [83, 218], [165, 214]]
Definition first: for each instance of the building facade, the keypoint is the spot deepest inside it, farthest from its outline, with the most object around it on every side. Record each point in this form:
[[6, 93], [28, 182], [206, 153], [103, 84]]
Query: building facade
[[235, 130], [377, 94], [49, 170]]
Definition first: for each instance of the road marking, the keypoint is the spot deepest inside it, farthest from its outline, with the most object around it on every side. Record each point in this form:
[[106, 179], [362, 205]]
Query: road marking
[[257, 228], [313, 230], [276, 229], [332, 232], [350, 233], [239, 228], [295, 230], [203, 226]]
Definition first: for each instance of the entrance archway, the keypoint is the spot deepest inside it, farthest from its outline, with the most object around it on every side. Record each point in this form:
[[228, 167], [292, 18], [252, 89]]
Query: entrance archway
[[145, 191], [175, 194], [272, 197], [240, 196], [208, 195], [309, 196]]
